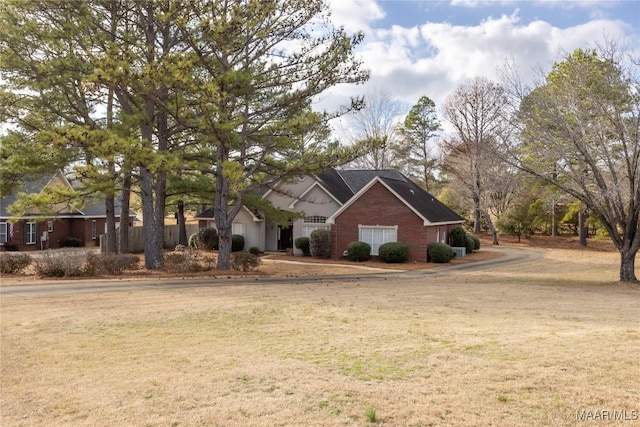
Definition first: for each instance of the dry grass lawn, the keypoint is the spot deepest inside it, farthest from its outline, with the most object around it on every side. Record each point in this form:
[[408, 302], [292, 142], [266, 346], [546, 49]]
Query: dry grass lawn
[[522, 345]]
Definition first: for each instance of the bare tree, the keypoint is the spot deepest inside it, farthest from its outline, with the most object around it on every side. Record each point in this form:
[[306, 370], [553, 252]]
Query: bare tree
[[375, 125], [476, 111], [580, 131]]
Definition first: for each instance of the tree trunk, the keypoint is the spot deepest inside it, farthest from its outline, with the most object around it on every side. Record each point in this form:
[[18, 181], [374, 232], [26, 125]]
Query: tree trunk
[[627, 265], [110, 205], [123, 244], [554, 220], [182, 226], [582, 229], [492, 228], [476, 214]]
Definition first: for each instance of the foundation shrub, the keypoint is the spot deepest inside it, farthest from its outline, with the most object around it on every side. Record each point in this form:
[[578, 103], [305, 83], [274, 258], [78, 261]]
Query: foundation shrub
[[471, 244], [72, 242], [440, 253], [237, 243], [393, 252], [458, 237], [358, 251], [13, 263], [476, 246], [320, 243], [303, 243], [254, 250]]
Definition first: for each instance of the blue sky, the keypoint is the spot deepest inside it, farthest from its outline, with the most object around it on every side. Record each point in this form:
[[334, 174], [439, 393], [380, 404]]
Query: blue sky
[[416, 48]]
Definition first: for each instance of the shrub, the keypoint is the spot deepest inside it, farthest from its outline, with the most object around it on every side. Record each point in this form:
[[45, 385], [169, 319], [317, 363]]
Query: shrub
[[237, 243], [13, 263], [471, 244], [303, 243], [458, 237], [208, 239], [72, 242], [62, 263], [10, 247], [477, 243], [320, 243], [114, 264], [254, 250], [393, 252], [189, 261], [440, 253], [243, 261], [358, 251]]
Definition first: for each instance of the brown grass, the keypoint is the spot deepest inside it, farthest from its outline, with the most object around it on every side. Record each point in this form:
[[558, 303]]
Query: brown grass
[[521, 345]]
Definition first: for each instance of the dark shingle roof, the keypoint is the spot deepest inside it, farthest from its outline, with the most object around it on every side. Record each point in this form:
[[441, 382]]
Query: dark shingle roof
[[357, 179], [335, 184], [424, 203]]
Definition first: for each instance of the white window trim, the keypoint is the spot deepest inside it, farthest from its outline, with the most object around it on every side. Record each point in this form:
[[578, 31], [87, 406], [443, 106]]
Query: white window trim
[[4, 235], [374, 248], [235, 226], [94, 230], [33, 232], [50, 226]]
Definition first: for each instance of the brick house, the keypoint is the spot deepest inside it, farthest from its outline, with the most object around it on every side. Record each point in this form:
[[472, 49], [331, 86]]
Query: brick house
[[36, 230], [374, 206]]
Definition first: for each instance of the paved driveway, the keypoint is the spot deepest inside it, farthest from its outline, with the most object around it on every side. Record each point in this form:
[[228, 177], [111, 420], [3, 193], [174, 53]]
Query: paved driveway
[[511, 256]]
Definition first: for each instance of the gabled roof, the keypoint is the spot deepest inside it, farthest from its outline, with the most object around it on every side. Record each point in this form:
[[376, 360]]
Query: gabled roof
[[423, 204], [209, 214], [92, 208], [335, 184]]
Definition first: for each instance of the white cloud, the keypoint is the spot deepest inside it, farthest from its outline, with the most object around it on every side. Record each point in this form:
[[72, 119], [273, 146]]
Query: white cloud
[[434, 58], [355, 15]]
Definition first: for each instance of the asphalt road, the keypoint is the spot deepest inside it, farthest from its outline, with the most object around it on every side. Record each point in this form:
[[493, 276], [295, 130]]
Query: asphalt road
[[511, 256]]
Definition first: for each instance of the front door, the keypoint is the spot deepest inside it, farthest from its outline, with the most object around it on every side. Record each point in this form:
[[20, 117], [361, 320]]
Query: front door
[[285, 237]]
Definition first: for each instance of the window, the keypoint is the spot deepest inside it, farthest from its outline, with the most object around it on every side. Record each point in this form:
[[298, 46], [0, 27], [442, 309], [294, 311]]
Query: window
[[313, 223], [30, 233], [94, 230], [50, 226], [3, 232], [237, 228], [377, 235]]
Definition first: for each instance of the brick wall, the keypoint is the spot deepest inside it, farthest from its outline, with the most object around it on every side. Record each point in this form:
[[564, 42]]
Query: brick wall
[[378, 206]]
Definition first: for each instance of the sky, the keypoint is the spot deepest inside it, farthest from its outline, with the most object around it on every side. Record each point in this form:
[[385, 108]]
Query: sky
[[415, 48]]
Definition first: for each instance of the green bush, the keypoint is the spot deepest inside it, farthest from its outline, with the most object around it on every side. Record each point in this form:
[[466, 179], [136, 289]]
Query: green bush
[[237, 243], [113, 264], [320, 243], [13, 263], [254, 250], [476, 245], [393, 252], [62, 263], [72, 242], [458, 237], [440, 253], [303, 243], [208, 239], [471, 244], [10, 247], [358, 251], [243, 261]]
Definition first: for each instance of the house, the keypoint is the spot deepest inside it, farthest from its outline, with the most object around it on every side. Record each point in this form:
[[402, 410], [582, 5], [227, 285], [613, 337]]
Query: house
[[36, 230], [373, 206]]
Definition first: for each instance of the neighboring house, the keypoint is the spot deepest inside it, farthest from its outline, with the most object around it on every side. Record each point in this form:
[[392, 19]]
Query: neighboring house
[[249, 225], [373, 206], [31, 232]]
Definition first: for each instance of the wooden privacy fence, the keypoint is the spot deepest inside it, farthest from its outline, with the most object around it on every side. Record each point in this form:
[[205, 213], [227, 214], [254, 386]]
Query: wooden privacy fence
[[136, 239]]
